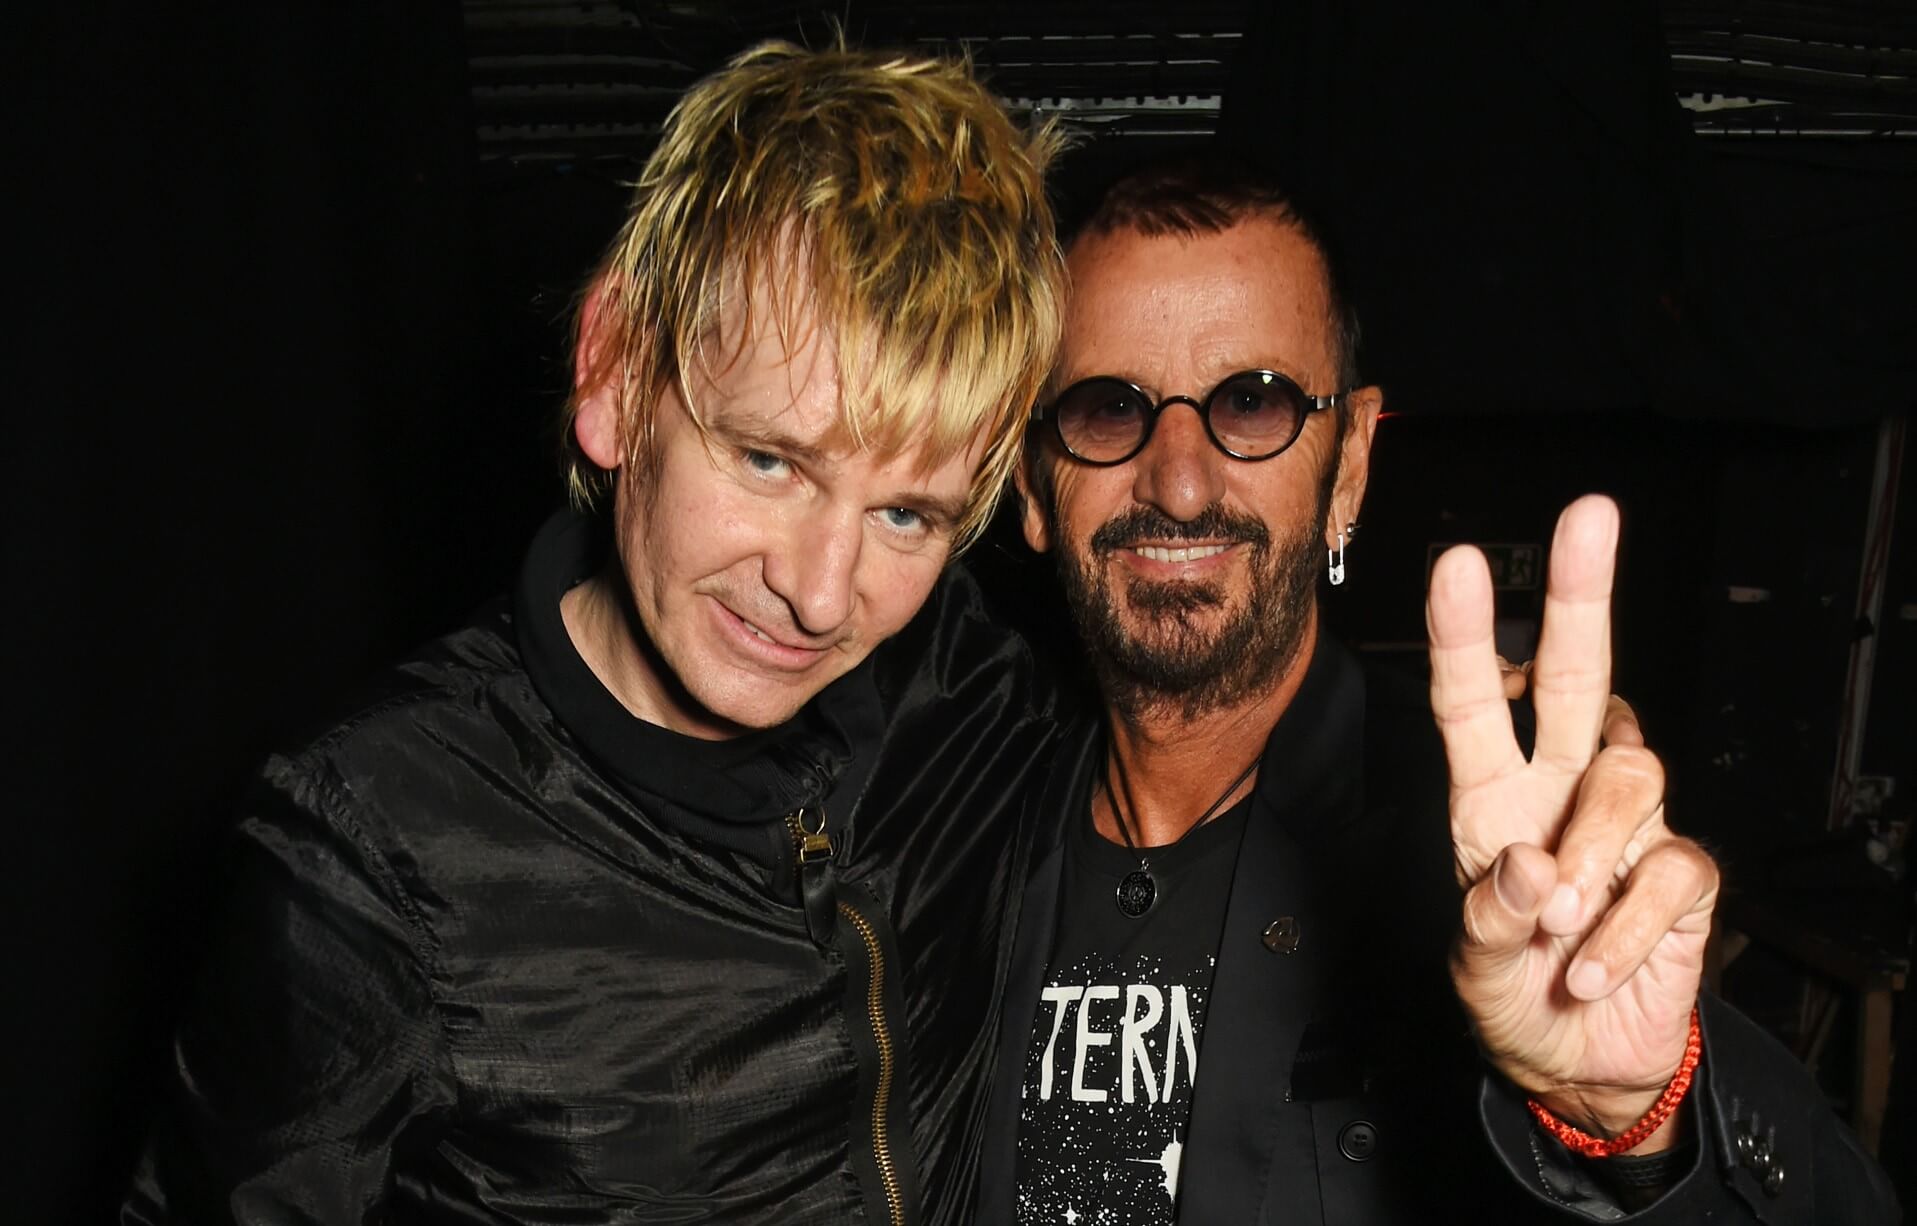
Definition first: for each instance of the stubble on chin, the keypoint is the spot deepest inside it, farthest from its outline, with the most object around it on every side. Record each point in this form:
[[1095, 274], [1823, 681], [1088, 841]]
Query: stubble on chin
[[1184, 649]]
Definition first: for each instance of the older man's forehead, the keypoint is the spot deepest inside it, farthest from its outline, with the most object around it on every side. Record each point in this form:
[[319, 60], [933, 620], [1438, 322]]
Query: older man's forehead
[[1252, 296]]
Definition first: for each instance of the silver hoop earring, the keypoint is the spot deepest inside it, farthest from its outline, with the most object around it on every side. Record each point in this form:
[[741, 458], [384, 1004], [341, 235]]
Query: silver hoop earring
[[1336, 561]]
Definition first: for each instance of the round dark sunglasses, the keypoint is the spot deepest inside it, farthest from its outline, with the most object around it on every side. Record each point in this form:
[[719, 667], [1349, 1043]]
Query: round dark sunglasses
[[1252, 415]]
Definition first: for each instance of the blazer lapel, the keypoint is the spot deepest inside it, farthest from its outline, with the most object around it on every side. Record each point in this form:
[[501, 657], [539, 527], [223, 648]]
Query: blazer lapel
[[1241, 1133], [1274, 956]]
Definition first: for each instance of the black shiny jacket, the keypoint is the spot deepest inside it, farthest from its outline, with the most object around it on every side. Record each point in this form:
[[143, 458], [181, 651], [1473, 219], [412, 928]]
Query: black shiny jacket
[[498, 952]]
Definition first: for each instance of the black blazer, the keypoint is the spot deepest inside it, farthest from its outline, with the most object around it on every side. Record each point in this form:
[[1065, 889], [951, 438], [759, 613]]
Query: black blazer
[[1343, 1084]]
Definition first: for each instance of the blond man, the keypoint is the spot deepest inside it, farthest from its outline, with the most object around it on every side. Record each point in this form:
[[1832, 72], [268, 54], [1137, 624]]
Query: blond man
[[625, 902]]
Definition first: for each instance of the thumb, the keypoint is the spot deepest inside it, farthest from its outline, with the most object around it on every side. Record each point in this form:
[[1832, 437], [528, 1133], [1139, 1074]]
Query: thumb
[[1501, 910]]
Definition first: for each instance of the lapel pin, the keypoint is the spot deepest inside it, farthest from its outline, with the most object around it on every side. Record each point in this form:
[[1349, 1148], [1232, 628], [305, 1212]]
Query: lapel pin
[[1281, 935]]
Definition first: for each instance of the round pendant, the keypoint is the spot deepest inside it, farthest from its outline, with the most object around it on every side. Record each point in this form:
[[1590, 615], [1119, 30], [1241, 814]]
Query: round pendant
[[1136, 893]]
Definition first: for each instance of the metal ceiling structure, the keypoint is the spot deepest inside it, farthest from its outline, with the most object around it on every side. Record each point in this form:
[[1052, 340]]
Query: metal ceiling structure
[[1775, 69], [580, 80], [591, 80]]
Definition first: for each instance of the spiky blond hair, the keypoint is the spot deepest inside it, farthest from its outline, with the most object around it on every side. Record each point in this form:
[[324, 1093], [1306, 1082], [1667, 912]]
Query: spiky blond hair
[[916, 211]]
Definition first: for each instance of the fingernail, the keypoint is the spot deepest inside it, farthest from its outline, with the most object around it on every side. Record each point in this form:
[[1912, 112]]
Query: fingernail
[[1560, 914], [1512, 888], [1586, 981]]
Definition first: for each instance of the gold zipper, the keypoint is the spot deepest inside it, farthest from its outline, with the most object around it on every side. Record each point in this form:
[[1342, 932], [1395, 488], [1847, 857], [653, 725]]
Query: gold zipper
[[813, 845], [882, 1093]]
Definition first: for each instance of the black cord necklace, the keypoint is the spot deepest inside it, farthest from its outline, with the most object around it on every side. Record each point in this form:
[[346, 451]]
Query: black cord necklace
[[1138, 890]]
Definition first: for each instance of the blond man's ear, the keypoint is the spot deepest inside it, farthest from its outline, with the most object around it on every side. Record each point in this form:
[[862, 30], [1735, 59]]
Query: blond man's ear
[[596, 392]]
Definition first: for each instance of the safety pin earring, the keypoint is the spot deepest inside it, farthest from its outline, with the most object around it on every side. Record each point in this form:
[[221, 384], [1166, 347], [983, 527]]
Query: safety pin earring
[[1336, 561]]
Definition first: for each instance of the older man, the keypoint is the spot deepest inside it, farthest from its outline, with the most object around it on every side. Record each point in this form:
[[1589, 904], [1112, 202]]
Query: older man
[[622, 903], [1249, 877]]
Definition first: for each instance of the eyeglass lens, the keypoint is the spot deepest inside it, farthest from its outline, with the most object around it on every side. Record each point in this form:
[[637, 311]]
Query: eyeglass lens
[[1253, 414]]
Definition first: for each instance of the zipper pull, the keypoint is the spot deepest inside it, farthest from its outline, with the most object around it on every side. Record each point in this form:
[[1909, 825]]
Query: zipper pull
[[814, 850]]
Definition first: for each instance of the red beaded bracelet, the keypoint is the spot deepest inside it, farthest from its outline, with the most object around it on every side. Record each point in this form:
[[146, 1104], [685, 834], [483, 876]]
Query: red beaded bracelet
[[1578, 1141]]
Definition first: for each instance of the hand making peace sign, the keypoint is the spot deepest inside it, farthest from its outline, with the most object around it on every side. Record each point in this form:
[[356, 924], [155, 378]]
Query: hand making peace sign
[[1585, 918]]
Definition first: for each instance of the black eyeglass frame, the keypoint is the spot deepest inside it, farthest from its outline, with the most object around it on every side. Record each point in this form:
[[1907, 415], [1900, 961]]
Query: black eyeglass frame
[[1312, 404]]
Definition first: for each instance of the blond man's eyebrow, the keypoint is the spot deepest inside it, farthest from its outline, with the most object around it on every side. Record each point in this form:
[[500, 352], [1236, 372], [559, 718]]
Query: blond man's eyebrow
[[768, 438]]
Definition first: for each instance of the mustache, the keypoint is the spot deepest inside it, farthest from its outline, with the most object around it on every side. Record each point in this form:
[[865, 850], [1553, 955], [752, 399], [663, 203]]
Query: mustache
[[1212, 524]]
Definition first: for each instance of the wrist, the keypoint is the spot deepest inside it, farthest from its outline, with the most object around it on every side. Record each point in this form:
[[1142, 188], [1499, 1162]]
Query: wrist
[[1667, 1135], [1609, 1113], [1652, 1131]]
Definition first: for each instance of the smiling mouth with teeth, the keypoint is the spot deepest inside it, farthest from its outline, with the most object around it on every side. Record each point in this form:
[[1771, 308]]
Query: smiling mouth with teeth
[[1159, 553]]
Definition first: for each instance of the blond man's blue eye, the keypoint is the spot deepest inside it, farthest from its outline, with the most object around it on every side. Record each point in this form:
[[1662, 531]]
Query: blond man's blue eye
[[903, 518]]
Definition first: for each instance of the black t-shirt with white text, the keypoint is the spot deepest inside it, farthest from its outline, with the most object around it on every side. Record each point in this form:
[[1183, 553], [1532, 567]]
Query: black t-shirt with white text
[[1113, 1052]]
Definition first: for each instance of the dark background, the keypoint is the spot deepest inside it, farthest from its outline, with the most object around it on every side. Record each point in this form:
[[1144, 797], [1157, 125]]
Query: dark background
[[290, 290]]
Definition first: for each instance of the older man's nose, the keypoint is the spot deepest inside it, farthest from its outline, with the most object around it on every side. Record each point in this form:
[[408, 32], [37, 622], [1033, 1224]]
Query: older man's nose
[[1180, 471]]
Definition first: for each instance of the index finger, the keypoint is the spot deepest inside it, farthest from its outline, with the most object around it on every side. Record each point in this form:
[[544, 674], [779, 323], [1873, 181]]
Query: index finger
[[1571, 678], [1467, 688]]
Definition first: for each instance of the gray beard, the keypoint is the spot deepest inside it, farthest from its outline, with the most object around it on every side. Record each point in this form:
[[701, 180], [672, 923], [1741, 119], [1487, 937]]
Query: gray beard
[[1176, 664]]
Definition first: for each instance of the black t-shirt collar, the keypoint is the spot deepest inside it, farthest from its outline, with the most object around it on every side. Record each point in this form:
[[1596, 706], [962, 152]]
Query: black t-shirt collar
[[1114, 860]]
